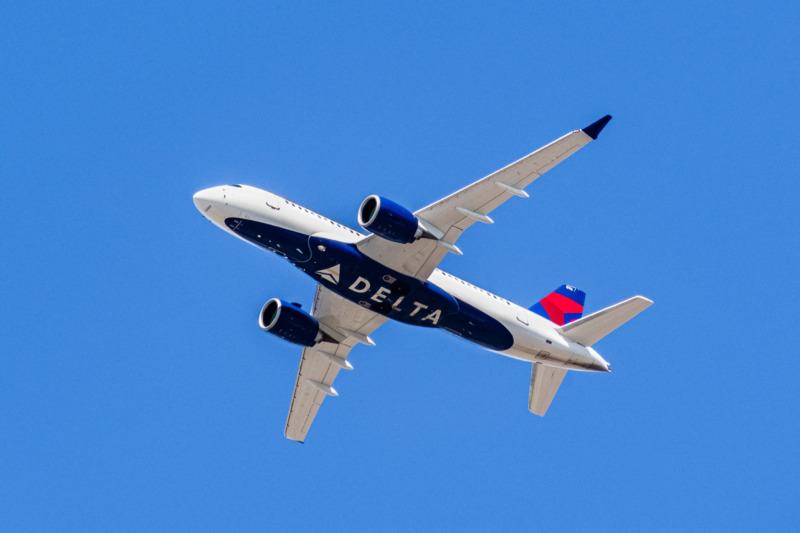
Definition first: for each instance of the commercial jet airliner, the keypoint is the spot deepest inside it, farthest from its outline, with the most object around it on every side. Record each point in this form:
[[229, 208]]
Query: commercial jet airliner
[[392, 273]]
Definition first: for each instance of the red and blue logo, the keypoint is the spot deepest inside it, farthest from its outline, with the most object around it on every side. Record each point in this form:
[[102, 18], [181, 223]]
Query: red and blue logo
[[562, 306]]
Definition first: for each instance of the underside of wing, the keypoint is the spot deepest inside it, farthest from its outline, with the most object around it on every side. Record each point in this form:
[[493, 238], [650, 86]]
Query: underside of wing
[[347, 323], [449, 217]]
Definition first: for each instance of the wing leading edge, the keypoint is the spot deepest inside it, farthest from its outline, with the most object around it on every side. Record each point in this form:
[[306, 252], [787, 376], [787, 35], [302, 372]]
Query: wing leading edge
[[453, 214]]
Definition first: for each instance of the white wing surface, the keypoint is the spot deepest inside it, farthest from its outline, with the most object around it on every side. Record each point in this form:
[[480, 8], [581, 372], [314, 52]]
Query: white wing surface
[[320, 364], [449, 217]]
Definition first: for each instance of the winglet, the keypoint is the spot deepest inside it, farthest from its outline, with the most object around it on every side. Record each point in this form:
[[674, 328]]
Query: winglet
[[594, 129]]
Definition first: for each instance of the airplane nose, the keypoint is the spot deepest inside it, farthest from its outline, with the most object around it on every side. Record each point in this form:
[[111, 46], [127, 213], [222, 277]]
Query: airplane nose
[[204, 200]]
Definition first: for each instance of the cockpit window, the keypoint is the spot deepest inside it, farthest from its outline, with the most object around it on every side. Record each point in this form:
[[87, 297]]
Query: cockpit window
[[235, 185]]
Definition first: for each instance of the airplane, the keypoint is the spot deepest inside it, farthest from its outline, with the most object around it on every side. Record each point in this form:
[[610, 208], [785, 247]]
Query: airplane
[[391, 273]]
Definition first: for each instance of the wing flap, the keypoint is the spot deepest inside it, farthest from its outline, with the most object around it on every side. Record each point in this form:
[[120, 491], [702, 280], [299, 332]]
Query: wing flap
[[306, 399], [335, 313], [545, 381]]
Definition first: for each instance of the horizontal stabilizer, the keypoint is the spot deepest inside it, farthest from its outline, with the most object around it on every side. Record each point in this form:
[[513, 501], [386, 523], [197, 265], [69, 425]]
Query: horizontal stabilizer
[[590, 329], [545, 381]]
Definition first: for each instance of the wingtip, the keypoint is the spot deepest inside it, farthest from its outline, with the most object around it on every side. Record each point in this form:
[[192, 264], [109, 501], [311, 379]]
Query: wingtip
[[300, 440], [593, 130], [645, 299]]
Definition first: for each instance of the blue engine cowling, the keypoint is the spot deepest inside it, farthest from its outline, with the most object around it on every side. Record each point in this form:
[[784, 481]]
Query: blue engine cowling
[[289, 322], [389, 220]]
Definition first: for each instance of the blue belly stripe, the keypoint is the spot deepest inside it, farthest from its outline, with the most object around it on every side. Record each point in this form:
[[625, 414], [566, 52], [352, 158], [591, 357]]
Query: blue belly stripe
[[342, 268]]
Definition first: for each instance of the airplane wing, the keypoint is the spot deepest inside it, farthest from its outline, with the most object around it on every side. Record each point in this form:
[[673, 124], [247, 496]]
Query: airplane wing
[[346, 322], [449, 217], [545, 381]]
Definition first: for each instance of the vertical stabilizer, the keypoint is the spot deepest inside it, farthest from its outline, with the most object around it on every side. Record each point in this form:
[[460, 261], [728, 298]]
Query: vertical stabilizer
[[561, 306]]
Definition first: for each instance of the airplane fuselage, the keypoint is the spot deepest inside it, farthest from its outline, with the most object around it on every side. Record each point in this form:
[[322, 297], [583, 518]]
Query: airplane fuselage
[[327, 252]]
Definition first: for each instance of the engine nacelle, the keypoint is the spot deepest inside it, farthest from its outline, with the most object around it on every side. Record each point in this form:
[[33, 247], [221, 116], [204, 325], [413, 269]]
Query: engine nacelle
[[289, 322], [389, 220]]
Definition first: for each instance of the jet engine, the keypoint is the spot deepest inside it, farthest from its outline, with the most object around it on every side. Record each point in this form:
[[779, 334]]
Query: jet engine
[[389, 220], [289, 322]]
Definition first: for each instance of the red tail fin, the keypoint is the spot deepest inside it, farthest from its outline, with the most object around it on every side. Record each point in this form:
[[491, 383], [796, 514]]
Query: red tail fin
[[561, 306]]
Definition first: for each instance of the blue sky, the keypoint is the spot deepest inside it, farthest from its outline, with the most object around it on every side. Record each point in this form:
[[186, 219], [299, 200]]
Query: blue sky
[[138, 393]]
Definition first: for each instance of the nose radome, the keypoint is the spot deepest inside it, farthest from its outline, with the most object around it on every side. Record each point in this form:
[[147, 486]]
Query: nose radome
[[205, 199]]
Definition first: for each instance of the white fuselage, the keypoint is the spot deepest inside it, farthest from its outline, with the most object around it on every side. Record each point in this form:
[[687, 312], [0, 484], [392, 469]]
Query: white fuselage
[[535, 338]]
